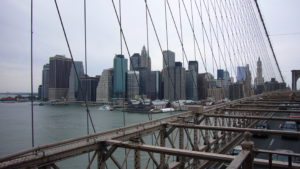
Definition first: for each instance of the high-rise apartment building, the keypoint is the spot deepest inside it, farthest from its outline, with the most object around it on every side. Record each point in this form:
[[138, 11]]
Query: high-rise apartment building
[[59, 73], [119, 78]]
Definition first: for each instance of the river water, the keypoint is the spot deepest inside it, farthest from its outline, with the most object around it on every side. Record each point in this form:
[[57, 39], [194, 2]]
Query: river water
[[56, 123]]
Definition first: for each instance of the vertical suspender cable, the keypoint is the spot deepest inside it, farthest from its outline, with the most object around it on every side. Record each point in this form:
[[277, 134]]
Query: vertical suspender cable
[[85, 59], [86, 82], [120, 15], [31, 72]]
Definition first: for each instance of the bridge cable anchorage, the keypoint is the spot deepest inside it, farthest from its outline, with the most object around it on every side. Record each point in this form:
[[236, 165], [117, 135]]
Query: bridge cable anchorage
[[269, 40], [72, 59], [31, 72]]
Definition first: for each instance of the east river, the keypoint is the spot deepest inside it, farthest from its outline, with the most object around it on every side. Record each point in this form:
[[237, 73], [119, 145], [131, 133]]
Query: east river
[[57, 123]]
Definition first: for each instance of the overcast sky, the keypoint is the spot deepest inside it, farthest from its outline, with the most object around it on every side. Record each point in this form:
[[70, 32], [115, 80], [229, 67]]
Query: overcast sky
[[281, 17]]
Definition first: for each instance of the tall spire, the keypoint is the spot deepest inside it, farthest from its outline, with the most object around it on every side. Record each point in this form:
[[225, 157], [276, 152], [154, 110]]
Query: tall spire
[[144, 52]]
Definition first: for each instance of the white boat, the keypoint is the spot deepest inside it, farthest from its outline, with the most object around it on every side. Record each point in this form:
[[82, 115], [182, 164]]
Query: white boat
[[167, 109], [135, 102], [105, 107]]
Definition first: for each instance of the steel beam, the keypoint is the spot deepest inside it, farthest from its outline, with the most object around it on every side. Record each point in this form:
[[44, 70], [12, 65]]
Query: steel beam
[[253, 117], [235, 129], [261, 110]]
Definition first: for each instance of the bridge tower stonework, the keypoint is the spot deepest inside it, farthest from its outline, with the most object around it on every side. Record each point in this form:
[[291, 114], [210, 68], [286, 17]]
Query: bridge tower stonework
[[295, 77]]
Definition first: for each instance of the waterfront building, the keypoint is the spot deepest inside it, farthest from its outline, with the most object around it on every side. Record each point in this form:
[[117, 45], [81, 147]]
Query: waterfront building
[[193, 65], [168, 59], [74, 81], [119, 78], [45, 82], [89, 87], [104, 88], [40, 92], [59, 72], [132, 84], [259, 80]]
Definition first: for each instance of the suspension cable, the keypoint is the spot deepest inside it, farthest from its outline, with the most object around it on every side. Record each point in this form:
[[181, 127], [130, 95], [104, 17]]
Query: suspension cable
[[72, 59], [269, 40], [31, 72]]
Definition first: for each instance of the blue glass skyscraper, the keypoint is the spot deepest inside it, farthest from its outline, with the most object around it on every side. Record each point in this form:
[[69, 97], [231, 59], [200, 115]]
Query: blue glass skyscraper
[[119, 77]]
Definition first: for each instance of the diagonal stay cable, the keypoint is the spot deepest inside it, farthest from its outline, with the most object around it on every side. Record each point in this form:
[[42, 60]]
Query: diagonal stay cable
[[76, 72]]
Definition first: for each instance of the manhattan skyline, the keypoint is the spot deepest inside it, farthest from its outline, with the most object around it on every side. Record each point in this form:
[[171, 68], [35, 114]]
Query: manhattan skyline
[[103, 40]]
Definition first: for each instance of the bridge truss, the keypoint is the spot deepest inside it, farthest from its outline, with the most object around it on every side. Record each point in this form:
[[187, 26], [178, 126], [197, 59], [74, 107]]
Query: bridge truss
[[198, 138]]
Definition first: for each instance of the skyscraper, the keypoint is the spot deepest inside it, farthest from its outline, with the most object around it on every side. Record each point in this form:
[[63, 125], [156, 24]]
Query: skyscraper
[[168, 59], [89, 87], [134, 62], [191, 85], [140, 61], [259, 80], [191, 81], [45, 82], [174, 82], [145, 61], [241, 73], [119, 77], [154, 85], [180, 78], [132, 84], [193, 65], [59, 73], [220, 74], [104, 88], [74, 81]]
